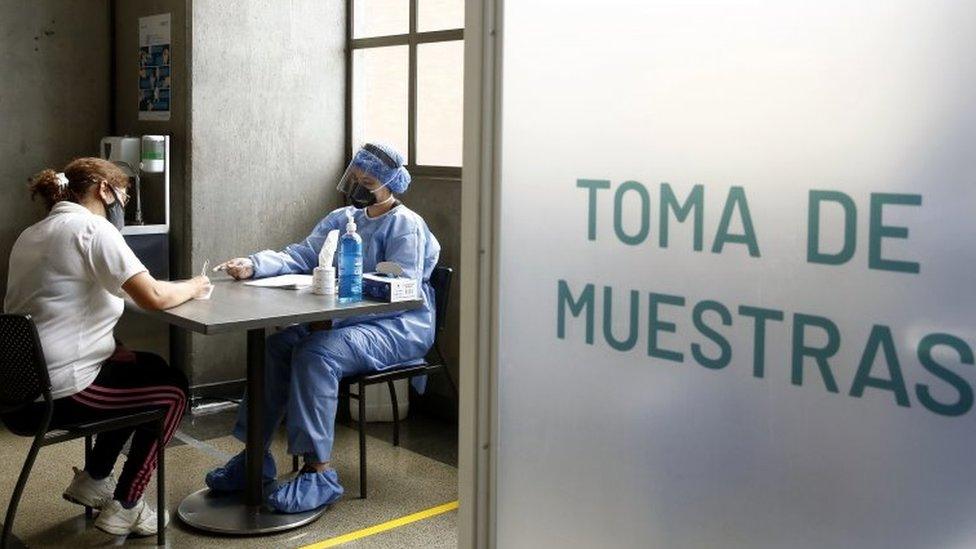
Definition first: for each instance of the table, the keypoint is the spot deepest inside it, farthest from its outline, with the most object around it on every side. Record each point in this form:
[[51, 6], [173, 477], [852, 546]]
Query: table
[[233, 307]]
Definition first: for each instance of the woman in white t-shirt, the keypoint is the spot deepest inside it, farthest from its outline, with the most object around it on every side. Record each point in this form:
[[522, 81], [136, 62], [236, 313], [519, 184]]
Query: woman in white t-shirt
[[70, 272]]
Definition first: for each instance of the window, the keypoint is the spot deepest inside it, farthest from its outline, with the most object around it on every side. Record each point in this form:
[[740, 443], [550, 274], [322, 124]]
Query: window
[[406, 80]]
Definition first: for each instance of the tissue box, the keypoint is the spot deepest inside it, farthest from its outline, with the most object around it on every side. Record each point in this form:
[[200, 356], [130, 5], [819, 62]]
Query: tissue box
[[387, 288]]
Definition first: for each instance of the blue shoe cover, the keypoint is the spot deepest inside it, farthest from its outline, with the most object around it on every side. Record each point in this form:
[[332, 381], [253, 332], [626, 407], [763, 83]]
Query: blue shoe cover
[[307, 491], [231, 477]]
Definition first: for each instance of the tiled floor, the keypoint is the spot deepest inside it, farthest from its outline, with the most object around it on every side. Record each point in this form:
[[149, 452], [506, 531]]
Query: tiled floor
[[417, 475]]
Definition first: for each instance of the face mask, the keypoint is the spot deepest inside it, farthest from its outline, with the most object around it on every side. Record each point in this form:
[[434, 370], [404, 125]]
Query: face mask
[[114, 211], [361, 197]]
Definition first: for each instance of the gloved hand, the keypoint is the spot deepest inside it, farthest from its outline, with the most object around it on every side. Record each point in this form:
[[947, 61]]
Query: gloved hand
[[239, 268]]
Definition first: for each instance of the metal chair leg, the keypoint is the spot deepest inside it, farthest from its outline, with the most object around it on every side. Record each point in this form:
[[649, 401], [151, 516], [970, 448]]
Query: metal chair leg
[[8, 523], [396, 414], [362, 440], [89, 512], [161, 485]]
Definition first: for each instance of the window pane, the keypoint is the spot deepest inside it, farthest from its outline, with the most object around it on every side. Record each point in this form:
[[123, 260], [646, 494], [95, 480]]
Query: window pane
[[380, 17], [379, 103], [439, 15], [440, 85]]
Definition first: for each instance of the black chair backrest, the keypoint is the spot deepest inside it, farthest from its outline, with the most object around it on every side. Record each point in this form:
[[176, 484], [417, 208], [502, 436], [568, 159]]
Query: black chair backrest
[[440, 280], [23, 370]]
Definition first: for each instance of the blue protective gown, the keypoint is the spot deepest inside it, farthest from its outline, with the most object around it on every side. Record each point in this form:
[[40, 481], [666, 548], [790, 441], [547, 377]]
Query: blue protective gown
[[303, 367]]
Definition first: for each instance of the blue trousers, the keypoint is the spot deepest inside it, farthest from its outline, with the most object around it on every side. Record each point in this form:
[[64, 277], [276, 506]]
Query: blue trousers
[[302, 373]]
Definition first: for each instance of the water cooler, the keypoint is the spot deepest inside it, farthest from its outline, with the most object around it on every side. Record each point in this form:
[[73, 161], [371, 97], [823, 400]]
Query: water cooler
[[146, 161]]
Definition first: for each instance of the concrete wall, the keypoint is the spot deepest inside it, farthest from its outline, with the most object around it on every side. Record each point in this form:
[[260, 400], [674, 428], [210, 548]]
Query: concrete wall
[[267, 140], [54, 106]]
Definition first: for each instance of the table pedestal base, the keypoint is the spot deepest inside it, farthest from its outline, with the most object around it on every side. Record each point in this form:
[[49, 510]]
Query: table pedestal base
[[227, 514]]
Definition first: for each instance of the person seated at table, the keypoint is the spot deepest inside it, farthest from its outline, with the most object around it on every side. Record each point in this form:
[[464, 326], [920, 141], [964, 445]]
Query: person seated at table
[[69, 272], [305, 363]]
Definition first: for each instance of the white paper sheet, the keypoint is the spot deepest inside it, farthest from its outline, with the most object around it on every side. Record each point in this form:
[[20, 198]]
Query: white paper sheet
[[287, 282]]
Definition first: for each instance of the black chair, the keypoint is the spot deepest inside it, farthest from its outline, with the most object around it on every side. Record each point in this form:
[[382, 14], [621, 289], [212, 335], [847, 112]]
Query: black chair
[[23, 379], [440, 280]]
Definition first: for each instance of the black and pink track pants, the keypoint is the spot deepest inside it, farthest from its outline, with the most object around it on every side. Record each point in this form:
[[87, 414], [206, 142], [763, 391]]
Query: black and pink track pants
[[140, 382]]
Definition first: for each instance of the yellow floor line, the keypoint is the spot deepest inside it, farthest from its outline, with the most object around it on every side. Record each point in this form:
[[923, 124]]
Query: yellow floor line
[[385, 526]]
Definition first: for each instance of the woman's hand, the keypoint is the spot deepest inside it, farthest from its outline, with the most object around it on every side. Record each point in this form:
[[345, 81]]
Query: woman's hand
[[201, 286], [155, 295], [240, 268]]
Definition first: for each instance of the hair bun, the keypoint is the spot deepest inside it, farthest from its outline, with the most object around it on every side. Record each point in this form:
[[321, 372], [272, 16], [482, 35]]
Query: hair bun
[[48, 185]]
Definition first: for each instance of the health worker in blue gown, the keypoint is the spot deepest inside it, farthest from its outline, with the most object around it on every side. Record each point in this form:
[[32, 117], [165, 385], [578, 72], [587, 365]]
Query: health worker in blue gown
[[304, 363]]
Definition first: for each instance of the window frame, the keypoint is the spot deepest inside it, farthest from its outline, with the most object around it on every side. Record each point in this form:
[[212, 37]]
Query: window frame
[[412, 39]]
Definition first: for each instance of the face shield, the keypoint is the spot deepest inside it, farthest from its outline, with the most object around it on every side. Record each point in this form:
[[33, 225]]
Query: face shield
[[359, 187], [369, 171]]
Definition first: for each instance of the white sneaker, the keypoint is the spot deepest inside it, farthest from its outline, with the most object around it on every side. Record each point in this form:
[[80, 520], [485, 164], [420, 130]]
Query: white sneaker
[[85, 490], [119, 521]]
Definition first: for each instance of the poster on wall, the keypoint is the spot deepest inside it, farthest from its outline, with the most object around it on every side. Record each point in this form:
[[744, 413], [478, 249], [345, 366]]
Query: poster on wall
[[154, 67]]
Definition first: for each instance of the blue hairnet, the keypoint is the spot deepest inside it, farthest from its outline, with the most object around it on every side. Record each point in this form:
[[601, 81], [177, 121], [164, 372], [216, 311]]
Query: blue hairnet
[[385, 164]]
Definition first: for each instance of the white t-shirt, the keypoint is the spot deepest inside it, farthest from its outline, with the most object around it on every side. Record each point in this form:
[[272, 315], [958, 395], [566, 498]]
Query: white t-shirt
[[67, 272]]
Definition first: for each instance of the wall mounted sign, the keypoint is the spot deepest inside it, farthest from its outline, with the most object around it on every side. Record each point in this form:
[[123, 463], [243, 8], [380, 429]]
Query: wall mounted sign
[[155, 67]]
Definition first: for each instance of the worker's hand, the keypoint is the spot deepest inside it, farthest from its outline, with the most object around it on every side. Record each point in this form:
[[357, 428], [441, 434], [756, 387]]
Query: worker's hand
[[201, 286], [240, 268]]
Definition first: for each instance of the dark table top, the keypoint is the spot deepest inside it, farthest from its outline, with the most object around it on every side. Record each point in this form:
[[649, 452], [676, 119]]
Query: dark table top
[[234, 306]]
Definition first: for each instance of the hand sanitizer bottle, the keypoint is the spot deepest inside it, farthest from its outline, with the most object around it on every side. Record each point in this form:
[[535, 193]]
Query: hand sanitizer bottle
[[350, 264]]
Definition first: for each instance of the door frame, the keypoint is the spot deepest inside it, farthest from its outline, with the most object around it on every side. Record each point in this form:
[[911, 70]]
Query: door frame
[[478, 274]]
